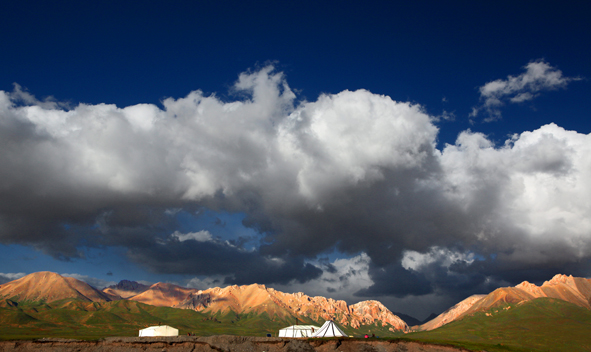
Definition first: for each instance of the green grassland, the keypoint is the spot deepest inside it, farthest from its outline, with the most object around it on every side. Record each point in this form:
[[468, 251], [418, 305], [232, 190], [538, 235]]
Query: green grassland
[[543, 324], [91, 320]]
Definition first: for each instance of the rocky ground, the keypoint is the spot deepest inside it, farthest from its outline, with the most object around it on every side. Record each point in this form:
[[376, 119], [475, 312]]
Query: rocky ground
[[223, 343]]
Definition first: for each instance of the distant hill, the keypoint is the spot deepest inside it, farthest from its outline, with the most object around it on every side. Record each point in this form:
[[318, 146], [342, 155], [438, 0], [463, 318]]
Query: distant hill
[[125, 289], [410, 321], [47, 286]]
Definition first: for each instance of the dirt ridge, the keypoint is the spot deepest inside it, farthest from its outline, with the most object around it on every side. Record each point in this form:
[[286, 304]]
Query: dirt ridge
[[220, 343]]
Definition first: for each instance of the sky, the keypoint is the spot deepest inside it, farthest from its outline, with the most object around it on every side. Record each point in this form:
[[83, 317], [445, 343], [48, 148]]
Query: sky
[[409, 152]]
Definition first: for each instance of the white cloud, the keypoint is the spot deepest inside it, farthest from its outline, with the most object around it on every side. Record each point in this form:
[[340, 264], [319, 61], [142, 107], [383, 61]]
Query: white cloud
[[445, 115], [206, 282], [200, 236], [333, 143], [413, 260], [539, 76], [7, 277], [340, 280], [526, 195], [199, 145]]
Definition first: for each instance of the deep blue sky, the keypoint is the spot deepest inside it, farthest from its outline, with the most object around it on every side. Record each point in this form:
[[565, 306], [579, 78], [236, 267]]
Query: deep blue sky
[[433, 53], [141, 52]]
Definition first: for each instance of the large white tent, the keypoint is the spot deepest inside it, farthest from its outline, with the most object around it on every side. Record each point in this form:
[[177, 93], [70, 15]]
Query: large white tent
[[329, 329], [298, 331], [160, 330]]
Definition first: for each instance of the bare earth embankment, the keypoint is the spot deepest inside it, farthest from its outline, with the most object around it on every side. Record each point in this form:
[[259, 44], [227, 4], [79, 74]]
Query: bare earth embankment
[[224, 343]]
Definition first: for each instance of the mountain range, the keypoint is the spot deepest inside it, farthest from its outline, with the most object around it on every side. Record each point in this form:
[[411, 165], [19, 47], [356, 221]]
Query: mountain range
[[258, 300], [248, 299]]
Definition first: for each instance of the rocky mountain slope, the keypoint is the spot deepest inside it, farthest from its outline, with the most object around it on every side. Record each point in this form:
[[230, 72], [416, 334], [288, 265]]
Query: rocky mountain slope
[[258, 298], [571, 289], [452, 313], [576, 290]]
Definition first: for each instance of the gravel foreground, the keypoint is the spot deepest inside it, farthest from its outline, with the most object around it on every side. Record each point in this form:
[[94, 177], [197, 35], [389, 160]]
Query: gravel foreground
[[221, 343]]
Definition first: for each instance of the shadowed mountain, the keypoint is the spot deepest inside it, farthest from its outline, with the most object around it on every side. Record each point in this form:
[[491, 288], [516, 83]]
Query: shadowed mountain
[[125, 289], [47, 286], [410, 321]]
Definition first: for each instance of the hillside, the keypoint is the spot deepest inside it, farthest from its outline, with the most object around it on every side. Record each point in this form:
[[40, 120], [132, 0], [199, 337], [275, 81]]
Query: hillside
[[540, 324], [570, 289], [452, 313]]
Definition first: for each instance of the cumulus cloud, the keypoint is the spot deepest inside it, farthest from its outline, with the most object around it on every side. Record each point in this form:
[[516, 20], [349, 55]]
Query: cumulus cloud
[[527, 191], [539, 76], [353, 171], [413, 260], [200, 236]]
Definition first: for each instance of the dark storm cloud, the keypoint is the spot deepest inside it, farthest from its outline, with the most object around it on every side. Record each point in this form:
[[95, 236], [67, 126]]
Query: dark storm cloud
[[354, 171], [407, 282], [208, 256]]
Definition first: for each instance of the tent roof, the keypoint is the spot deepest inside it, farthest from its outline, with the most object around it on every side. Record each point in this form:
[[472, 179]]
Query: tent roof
[[301, 327], [329, 329], [160, 330], [157, 326]]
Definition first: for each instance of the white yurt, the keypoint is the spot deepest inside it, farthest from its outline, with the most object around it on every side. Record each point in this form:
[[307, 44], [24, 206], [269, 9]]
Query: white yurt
[[298, 331], [160, 330], [329, 329]]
